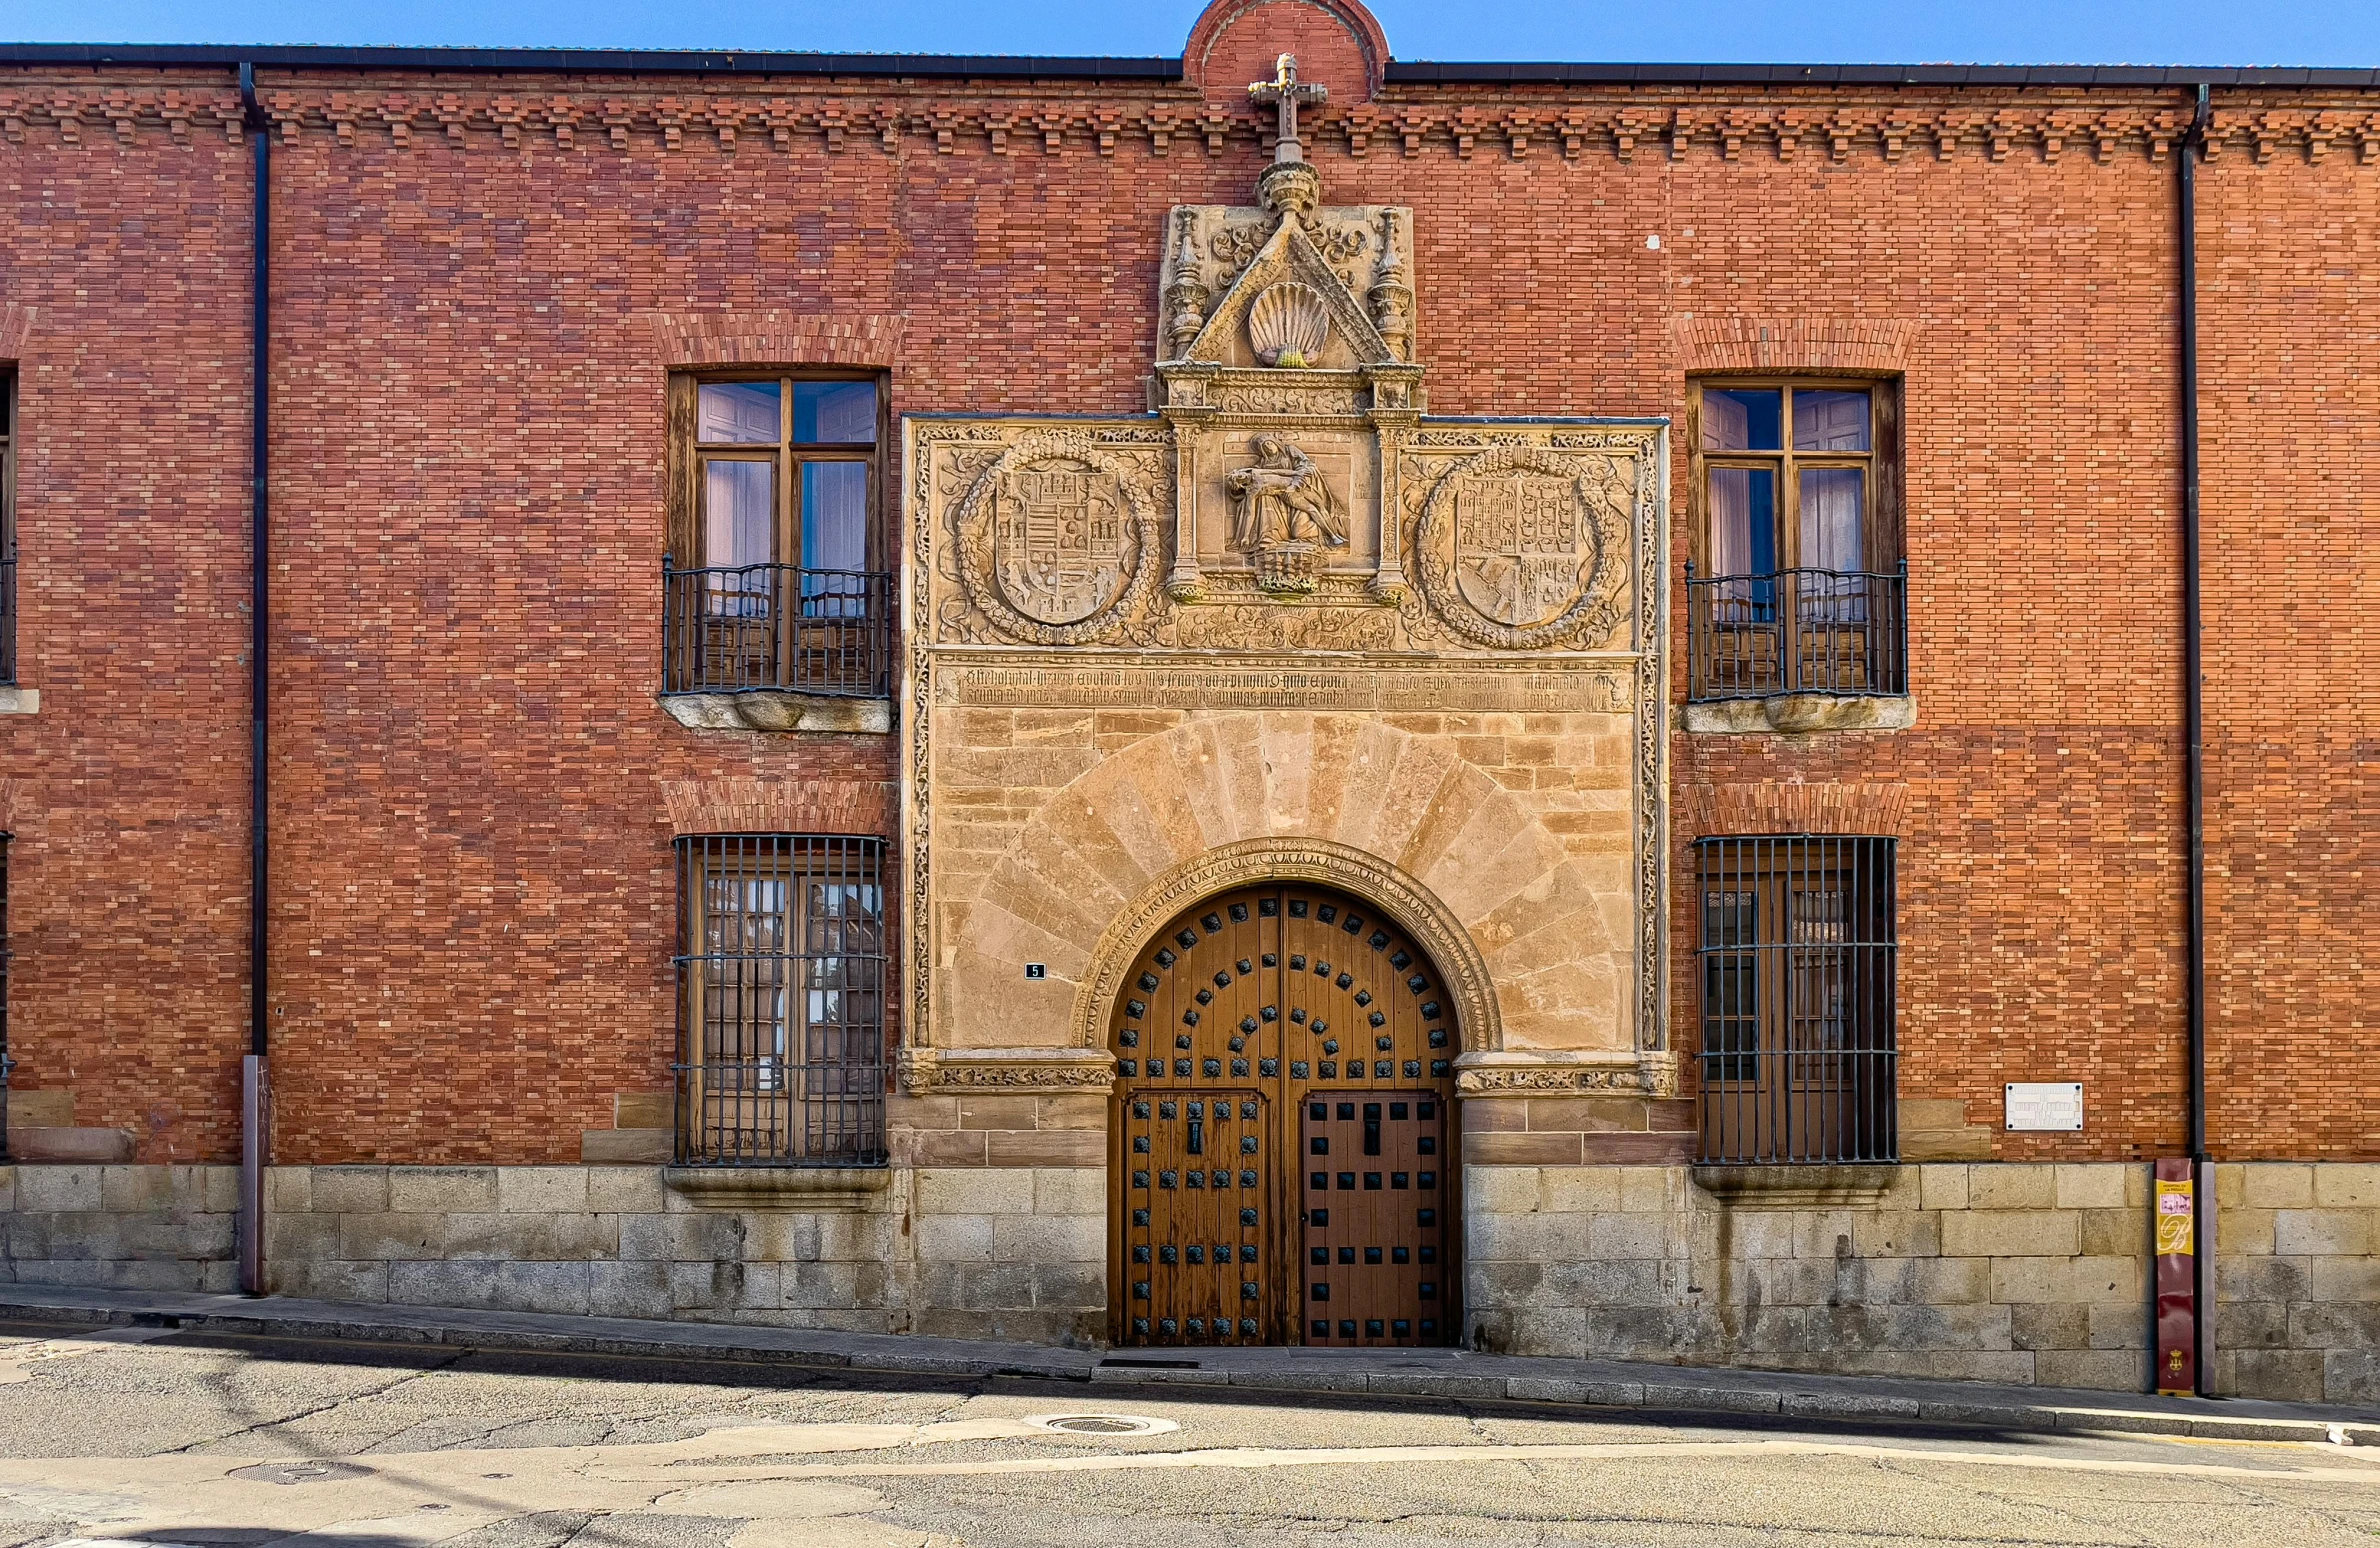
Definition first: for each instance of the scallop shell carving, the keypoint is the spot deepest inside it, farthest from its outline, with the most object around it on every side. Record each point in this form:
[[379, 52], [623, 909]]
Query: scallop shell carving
[[1288, 324]]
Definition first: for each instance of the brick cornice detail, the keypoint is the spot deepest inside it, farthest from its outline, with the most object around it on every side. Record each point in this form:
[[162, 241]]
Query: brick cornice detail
[[16, 327], [743, 805], [557, 111], [1863, 346], [1724, 811], [862, 339]]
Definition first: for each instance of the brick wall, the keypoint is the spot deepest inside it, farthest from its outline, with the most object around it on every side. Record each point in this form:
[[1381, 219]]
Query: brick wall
[[473, 897]]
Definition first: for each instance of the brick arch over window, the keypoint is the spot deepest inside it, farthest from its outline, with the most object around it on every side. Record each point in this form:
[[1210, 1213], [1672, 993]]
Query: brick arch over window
[[1848, 346], [1879, 810], [777, 806], [1381, 808], [697, 340], [16, 328], [1337, 42]]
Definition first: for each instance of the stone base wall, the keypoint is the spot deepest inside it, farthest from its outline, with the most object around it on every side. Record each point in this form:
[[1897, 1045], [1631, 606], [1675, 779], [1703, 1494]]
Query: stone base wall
[[2034, 1274], [120, 1227], [1983, 1271], [971, 1252], [2297, 1281]]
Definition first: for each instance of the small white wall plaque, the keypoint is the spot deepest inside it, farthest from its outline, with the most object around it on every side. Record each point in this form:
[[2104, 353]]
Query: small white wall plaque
[[2045, 1104]]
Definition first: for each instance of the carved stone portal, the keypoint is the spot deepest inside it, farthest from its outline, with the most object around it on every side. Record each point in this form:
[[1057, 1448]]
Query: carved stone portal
[[1287, 615]]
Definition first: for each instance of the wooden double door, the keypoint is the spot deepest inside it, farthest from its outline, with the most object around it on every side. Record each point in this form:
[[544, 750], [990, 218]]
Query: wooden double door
[[1282, 1167]]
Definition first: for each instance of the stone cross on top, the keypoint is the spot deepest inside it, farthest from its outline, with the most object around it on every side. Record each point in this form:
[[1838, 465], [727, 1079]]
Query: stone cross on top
[[1286, 91]]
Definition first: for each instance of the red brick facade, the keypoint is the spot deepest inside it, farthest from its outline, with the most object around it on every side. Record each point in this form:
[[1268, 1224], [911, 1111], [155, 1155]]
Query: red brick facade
[[481, 281]]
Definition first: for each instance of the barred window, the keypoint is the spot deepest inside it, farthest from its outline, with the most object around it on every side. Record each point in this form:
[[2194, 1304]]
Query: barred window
[[8, 528], [781, 997], [1797, 951], [6, 1063]]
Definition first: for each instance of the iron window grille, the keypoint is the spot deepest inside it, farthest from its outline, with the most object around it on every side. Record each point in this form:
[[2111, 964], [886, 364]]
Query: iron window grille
[[7, 1064], [8, 531], [781, 1001], [1796, 954]]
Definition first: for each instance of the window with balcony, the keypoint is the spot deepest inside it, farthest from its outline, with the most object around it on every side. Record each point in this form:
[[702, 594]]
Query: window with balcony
[[776, 579], [781, 1001], [1797, 586], [1796, 954]]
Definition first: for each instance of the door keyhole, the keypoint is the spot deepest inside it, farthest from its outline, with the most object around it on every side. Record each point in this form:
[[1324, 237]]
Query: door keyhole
[[1198, 1137]]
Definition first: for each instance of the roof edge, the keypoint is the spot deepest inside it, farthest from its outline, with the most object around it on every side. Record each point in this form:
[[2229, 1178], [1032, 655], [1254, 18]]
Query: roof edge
[[589, 61], [604, 61]]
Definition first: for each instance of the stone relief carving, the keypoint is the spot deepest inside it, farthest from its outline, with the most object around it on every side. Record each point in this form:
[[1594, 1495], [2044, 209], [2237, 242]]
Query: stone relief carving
[[1523, 547], [1057, 540], [1283, 515]]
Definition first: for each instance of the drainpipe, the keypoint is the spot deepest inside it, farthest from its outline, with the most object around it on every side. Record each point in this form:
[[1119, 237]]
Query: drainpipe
[[2202, 1167], [253, 1099]]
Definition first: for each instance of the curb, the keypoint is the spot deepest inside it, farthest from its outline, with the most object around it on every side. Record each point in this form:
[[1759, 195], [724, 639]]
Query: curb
[[1665, 1397]]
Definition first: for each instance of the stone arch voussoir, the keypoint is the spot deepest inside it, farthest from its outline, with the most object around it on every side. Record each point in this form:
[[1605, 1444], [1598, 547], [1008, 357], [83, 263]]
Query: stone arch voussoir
[[1418, 911]]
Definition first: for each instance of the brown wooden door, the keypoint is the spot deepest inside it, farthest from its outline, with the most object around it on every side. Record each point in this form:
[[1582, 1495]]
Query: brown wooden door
[[1374, 1269], [1241, 1014]]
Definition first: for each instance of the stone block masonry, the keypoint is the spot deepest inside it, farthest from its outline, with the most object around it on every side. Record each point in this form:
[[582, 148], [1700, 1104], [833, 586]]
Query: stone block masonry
[[2003, 1272]]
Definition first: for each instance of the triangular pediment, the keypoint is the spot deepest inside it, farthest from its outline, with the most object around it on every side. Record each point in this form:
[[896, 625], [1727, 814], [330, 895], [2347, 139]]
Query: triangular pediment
[[1289, 255]]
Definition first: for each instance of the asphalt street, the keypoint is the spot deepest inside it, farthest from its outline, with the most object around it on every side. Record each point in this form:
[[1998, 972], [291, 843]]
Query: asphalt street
[[166, 1437]]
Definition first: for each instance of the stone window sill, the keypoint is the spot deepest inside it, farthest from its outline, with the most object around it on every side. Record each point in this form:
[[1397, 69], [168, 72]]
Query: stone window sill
[[1798, 1187], [777, 1187], [777, 710], [19, 701], [1802, 712]]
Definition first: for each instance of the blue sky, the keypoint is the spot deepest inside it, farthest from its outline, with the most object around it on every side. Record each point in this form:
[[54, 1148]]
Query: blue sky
[[2309, 32]]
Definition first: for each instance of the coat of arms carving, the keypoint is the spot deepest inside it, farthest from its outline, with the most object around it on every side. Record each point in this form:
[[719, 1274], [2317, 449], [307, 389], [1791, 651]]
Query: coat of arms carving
[[1058, 541]]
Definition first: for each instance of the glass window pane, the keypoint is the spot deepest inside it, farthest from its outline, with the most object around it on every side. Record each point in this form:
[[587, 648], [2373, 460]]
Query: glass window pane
[[738, 413], [1830, 421], [738, 502], [1833, 504], [834, 411], [1742, 419], [834, 537], [1743, 511]]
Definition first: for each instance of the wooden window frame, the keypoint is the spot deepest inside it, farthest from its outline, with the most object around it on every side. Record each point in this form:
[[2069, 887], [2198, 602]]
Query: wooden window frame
[[1882, 532], [687, 457]]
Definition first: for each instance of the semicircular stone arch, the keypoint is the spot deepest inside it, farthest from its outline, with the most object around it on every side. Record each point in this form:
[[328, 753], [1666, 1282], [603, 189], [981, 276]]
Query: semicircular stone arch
[[1539, 932]]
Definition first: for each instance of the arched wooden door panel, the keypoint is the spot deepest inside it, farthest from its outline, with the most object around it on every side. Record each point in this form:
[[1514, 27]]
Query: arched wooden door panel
[[1283, 1136]]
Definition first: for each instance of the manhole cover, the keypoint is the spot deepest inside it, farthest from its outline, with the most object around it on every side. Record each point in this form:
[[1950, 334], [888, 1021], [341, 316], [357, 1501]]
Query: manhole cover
[[1101, 1424], [301, 1472]]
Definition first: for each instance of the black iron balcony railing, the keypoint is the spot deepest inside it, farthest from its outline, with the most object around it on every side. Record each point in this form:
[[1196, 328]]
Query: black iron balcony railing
[[756, 627], [1797, 631]]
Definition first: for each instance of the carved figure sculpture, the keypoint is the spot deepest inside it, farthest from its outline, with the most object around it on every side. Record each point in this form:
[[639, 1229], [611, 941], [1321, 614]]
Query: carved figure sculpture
[[1284, 514]]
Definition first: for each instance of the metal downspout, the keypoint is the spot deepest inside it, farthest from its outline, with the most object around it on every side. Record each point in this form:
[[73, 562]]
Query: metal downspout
[[2194, 734], [253, 1093]]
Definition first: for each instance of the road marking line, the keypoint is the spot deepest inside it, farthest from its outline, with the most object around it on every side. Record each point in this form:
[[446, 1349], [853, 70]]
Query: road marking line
[[1355, 1456]]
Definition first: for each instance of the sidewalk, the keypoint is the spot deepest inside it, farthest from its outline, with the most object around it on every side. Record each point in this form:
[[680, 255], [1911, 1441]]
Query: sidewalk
[[1440, 1373]]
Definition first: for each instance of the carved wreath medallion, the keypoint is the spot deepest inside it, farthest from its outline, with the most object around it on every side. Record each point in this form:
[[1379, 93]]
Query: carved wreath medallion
[[1056, 542], [1522, 547]]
